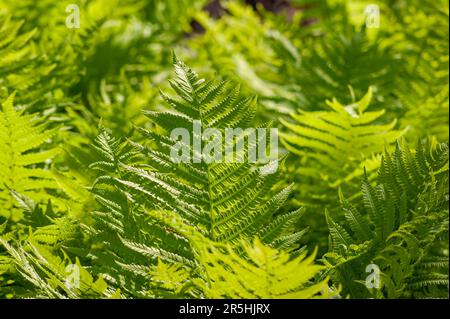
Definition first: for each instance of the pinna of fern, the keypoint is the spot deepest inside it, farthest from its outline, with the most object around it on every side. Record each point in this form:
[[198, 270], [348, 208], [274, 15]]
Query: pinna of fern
[[406, 217]]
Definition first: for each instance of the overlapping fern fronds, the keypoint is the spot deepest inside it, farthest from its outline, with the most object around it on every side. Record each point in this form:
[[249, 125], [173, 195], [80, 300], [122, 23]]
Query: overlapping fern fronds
[[263, 272], [51, 275], [227, 201], [406, 216], [22, 67], [334, 147], [95, 203], [218, 271], [248, 269], [206, 194], [23, 159], [243, 47], [41, 229]]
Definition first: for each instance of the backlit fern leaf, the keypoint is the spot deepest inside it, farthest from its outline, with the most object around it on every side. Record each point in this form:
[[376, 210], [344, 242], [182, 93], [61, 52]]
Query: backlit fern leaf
[[335, 65], [333, 147], [248, 269], [242, 277], [54, 276], [22, 67], [22, 166]]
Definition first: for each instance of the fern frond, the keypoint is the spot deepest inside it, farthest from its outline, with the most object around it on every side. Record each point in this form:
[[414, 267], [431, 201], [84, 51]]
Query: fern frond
[[53, 276], [22, 164], [333, 147], [262, 272], [226, 201], [248, 270], [406, 213], [229, 200]]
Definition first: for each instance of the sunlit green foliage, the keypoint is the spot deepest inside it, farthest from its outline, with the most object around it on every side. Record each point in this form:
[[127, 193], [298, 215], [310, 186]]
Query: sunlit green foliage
[[93, 206]]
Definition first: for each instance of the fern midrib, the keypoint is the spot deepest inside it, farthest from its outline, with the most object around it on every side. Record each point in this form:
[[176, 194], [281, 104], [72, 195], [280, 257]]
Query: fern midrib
[[212, 215]]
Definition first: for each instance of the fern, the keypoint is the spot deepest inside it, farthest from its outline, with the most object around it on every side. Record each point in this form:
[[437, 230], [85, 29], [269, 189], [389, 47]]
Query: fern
[[354, 62], [425, 52], [406, 213], [333, 147], [267, 274], [89, 186], [220, 201], [263, 272], [22, 168], [46, 229], [226, 201], [51, 274], [244, 270], [243, 47], [430, 116], [22, 68], [239, 277]]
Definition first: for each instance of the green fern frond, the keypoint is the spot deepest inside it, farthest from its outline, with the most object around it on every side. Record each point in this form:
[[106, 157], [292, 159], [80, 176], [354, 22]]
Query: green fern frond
[[226, 201], [23, 68], [335, 65], [225, 207], [406, 213], [55, 276], [245, 270], [262, 272], [261, 60], [22, 165], [333, 147]]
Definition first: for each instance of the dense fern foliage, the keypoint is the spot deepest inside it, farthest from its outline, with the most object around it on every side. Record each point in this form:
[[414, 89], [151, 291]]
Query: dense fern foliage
[[20, 171], [119, 177], [406, 214]]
